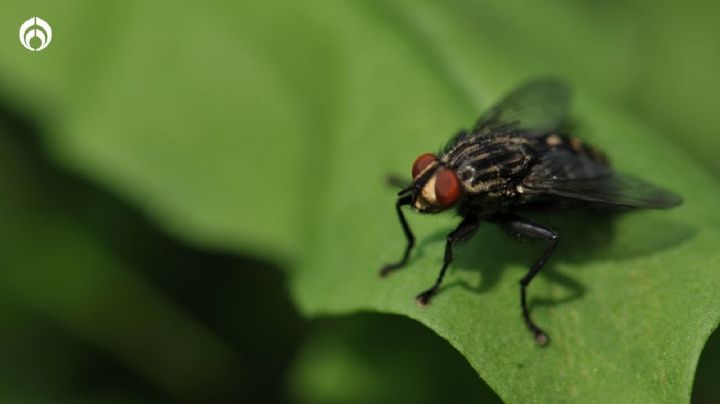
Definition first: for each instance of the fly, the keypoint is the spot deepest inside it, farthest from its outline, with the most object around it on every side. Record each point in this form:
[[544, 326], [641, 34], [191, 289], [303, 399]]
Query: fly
[[519, 155]]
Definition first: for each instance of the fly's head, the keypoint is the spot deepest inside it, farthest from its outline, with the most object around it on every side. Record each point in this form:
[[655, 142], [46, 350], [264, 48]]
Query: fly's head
[[435, 187]]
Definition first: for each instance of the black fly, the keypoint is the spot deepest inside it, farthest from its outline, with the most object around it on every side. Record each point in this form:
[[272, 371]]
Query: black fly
[[518, 155]]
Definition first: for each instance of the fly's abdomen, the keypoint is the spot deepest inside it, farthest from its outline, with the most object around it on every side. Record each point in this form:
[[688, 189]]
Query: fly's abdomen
[[576, 146], [566, 158]]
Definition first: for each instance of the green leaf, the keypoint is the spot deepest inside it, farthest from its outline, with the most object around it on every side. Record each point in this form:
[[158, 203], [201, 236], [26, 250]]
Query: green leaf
[[198, 118], [54, 268], [628, 306], [271, 129]]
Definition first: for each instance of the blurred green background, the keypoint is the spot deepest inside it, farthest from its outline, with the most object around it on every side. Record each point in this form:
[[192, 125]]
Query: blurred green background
[[161, 165]]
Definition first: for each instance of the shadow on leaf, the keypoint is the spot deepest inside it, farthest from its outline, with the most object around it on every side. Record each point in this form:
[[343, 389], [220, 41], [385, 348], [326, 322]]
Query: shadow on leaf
[[585, 237]]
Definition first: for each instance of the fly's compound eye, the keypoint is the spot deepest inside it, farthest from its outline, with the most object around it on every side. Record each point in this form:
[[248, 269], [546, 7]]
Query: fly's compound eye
[[421, 163], [447, 187]]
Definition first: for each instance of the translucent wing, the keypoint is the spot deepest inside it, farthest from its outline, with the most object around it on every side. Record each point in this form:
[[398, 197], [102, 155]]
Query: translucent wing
[[564, 163], [538, 107], [615, 189], [567, 175]]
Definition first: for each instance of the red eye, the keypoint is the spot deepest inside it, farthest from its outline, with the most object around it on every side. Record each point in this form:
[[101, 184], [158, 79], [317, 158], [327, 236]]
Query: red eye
[[421, 163], [447, 187]]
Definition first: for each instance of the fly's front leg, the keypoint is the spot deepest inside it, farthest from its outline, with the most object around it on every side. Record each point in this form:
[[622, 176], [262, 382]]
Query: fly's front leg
[[465, 230], [520, 227], [405, 200]]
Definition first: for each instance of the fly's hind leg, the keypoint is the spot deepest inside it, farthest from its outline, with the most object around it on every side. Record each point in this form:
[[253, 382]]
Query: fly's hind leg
[[519, 227]]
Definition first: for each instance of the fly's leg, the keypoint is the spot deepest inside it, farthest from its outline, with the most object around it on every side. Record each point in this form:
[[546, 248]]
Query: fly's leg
[[465, 230], [406, 200], [523, 228]]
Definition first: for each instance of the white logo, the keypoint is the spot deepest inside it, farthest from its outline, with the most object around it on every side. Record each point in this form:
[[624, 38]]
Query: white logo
[[35, 27]]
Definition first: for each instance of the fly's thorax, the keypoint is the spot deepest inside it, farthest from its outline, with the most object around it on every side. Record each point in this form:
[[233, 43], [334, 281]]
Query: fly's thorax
[[492, 166]]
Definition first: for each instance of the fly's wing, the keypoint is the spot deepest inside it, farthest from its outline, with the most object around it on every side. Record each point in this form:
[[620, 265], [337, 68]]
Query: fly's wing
[[567, 175], [538, 107], [616, 190]]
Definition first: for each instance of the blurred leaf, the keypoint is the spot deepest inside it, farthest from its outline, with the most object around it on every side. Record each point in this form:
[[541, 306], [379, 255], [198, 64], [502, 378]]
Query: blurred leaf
[[381, 359], [194, 116], [53, 266], [706, 389]]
